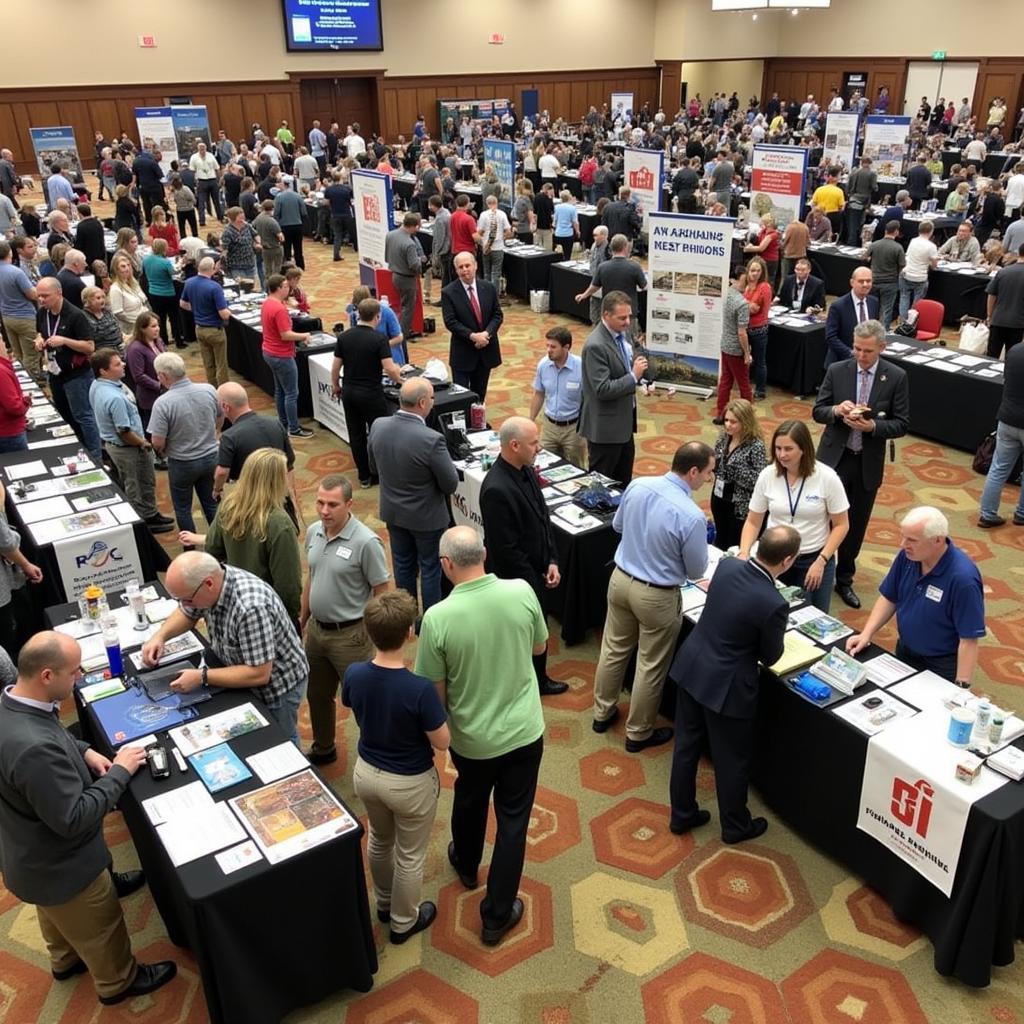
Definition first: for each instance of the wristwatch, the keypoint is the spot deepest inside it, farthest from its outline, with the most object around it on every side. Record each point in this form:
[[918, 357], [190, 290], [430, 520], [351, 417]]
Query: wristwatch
[[964, 684], [204, 679]]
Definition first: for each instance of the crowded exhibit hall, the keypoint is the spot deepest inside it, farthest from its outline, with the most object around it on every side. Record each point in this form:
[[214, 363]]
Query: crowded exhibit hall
[[498, 532]]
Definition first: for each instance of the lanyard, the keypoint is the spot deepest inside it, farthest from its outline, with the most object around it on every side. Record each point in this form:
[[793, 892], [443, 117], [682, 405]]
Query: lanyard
[[793, 505], [51, 325]]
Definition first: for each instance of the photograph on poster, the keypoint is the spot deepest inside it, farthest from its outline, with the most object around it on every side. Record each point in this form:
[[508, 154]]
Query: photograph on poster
[[661, 314], [662, 282], [684, 316], [710, 286], [658, 338], [685, 284]]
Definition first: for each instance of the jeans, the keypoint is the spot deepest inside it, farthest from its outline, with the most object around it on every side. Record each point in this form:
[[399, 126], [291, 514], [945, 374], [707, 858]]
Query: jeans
[[910, 292], [887, 292], [493, 261], [208, 189], [412, 550], [854, 223], [1009, 448], [286, 714], [14, 443], [794, 577], [71, 400], [286, 389], [758, 338], [186, 475]]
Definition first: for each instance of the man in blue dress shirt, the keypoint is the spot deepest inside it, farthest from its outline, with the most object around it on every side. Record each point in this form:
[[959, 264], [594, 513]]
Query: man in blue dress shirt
[[664, 543], [557, 386]]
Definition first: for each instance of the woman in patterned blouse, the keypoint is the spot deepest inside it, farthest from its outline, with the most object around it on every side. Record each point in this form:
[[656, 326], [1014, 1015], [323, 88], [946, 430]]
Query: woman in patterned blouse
[[739, 459]]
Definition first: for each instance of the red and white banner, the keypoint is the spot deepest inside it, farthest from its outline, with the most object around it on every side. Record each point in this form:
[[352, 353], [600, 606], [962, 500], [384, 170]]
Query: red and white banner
[[777, 183], [642, 172]]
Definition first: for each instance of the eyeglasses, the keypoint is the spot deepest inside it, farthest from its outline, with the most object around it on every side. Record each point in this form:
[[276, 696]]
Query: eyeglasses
[[191, 597]]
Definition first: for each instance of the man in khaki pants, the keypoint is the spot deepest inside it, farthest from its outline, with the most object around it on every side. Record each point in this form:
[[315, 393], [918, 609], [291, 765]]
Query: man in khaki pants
[[204, 299], [558, 387], [17, 295], [664, 543]]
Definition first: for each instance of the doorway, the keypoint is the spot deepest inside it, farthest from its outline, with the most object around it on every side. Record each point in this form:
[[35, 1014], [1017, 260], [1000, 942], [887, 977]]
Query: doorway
[[342, 99]]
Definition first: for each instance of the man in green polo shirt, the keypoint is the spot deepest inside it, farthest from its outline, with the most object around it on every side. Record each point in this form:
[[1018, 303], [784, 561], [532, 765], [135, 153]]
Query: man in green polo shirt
[[478, 645]]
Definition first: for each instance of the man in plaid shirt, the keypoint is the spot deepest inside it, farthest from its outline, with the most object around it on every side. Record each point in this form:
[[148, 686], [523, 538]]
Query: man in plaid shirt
[[249, 630]]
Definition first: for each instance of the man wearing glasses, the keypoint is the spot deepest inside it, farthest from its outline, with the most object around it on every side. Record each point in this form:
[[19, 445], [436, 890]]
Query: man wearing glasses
[[250, 633]]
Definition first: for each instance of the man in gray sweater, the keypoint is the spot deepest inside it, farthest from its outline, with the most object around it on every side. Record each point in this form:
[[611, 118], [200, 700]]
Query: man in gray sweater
[[54, 793]]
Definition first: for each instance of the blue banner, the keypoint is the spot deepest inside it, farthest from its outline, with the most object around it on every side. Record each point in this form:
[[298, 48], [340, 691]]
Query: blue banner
[[55, 145], [501, 155], [191, 126]]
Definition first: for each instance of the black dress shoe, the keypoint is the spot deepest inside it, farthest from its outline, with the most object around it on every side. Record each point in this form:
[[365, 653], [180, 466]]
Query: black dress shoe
[[680, 827], [758, 827], [663, 734], [127, 882], [424, 919], [158, 525], [846, 592], [327, 757], [384, 916], [148, 978], [492, 936], [69, 972], [470, 881], [551, 687], [604, 725]]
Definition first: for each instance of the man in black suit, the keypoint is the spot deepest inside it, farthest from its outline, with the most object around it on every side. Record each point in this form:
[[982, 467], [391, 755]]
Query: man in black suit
[[863, 402], [89, 237], [472, 313], [518, 535], [801, 291], [855, 307], [717, 675], [620, 217]]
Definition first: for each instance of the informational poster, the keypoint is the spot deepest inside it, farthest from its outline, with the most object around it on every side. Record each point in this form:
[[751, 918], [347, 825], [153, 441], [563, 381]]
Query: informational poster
[[191, 126], [55, 146], [109, 559], [622, 106], [777, 183], [156, 131], [886, 142], [840, 138], [327, 410], [475, 110], [501, 155], [642, 171], [688, 272], [373, 207]]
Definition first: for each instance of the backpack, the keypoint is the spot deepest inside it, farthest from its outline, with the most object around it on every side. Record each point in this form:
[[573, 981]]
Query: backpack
[[122, 173]]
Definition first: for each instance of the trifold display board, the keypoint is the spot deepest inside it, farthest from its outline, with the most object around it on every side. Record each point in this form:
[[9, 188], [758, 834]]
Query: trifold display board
[[475, 110]]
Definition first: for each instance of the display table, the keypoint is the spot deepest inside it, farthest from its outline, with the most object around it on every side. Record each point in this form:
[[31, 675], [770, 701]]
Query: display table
[[527, 271], [566, 281], [795, 356]]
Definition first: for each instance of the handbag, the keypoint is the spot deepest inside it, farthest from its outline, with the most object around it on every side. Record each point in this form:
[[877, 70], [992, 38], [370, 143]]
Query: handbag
[[974, 338], [982, 461]]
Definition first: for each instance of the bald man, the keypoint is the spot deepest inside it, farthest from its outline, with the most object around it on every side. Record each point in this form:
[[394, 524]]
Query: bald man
[[55, 791], [857, 306], [518, 534]]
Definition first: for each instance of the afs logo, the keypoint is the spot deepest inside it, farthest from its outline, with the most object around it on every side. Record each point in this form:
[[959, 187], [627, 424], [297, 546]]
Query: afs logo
[[98, 555], [912, 804], [641, 179]]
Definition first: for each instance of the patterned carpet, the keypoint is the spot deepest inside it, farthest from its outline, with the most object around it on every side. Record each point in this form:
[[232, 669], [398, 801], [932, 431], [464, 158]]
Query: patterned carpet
[[624, 921]]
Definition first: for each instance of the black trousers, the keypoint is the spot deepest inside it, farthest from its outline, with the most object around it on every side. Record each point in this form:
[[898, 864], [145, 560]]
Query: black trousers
[[732, 742], [362, 406], [293, 244], [187, 217], [727, 527], [862, 501], [475, 379], [943, 665], [614, 460], [1000, 336], [149, 200], [512, 779], [166, 308]]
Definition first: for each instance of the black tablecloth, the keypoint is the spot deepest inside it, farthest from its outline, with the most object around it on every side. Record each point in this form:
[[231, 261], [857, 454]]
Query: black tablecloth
[[565, 284], [526, 273], [588, 221], [571, 182], [580, 601], [796, 357]]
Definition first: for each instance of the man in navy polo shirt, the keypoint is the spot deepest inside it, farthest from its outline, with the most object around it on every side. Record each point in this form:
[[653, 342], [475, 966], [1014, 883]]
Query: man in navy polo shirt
[[204, 299], [935, 592]]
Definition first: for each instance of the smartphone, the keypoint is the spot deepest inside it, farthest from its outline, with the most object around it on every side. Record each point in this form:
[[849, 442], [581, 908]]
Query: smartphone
[[159, 766]]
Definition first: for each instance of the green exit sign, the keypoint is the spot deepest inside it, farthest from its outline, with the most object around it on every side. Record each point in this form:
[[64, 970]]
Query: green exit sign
[[938, 54]]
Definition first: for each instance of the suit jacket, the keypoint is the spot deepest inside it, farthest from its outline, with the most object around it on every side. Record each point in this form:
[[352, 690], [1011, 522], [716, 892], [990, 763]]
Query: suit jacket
[[743, 623], [461, 321], [842, 318], [415, 470], [518, 535], [890, 401], [608, 409], [814, 293], [621, 219], [89, 240]]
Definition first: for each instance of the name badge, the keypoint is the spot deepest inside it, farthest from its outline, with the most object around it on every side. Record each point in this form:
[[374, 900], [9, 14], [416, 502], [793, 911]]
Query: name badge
[[719, 487], [933, 594], [572, 385], [344, 552]]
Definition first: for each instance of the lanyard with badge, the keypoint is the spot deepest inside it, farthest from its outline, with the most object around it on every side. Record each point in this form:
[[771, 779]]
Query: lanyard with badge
[[794, 505], [723, 489], [52, 366]]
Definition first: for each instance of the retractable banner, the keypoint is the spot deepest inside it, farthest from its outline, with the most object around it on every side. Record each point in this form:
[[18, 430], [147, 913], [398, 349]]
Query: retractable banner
[[55, 146], [191, 126], [156, 131], [622, 106], [840, 138], [643, 170], [373, 208], [501, 155], [885, 141], [777, 183]]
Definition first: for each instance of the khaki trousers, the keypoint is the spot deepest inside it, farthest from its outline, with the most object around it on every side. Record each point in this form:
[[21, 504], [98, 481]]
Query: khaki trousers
[[135, 467], [564, 442], [21, 333], [213, 347], [649, 619], [401, 810], [330, 652], [90, 927], [272, 260]]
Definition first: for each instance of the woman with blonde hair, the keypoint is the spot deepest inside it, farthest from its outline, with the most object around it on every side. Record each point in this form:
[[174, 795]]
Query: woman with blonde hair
[[957, 200], [127, 244], [252, 531], [739, 459], [161, 227], [127, 299]]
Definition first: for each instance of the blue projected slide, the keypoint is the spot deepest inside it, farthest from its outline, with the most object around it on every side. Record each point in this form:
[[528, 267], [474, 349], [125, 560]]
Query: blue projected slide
[[332, 24]]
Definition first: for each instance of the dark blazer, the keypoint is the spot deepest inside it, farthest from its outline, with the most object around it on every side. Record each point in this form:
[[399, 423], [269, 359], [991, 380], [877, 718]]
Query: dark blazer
[[518, 535], [621, 218], [842, 318], [461, 321], [608, 412], [743, 623], [415, 470], [814, 293], [890, 401], [89, 240]]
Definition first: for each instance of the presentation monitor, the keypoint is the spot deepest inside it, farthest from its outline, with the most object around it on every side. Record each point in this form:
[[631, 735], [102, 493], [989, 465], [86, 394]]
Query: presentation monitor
[[312, 25]]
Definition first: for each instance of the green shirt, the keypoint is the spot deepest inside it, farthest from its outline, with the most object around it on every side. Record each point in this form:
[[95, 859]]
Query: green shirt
[[285, 136], [480, 641], [274, 560]]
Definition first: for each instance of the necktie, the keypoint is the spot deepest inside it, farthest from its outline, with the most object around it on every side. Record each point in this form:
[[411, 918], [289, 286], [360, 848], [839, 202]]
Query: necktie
[[799, 295], [863, 312], [620, 338], [476, 306], [863, 391]]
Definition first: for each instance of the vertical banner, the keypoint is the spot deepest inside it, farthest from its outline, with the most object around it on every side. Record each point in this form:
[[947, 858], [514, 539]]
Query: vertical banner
[[642, 170], [156, 131], [327, 410], [688, 271], [501, 155], [885, 141], [840, 138], [622, 106], [55, 146], [373, 207], [777, 183], [109, 560], [191, 125]]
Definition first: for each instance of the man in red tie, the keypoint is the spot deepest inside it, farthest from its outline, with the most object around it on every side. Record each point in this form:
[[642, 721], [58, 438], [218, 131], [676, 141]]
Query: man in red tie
[[472, 313]]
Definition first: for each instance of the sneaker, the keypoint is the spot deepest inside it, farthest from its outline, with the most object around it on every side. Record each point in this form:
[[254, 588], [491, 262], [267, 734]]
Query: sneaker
[[988, 524], [1018, 520], [301, 432]]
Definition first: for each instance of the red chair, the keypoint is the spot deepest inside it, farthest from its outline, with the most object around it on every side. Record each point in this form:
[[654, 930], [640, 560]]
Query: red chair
[[930, 315]]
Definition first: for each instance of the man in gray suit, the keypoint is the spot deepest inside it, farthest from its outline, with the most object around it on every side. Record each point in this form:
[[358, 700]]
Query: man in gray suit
[[416, 473], [610, 377]]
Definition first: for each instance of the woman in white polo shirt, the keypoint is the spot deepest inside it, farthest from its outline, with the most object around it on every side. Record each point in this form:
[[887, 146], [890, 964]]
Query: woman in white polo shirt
[[796, 490]]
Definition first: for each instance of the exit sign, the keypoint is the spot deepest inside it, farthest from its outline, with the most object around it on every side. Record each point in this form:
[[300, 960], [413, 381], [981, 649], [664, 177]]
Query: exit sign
[[147, 42], [938, 54], [496, 38]]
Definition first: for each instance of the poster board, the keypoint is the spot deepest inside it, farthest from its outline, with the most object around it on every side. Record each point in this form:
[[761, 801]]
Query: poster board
[[885, 141], [327, 410], [475, 110], [191, 124], [501, 155], [156, 130], [55, 145], [777, 181], [109, 559], [643, 170], [374, 214], [622, 106], [841, 129]]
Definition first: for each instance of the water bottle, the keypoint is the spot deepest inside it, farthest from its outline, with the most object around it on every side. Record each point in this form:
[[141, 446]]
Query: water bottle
[[112, 642], [712, 532], [137, 603]]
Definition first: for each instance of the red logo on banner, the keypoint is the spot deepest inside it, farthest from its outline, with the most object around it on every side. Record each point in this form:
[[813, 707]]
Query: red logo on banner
[[642, 179], [371, 208], [912, 804]]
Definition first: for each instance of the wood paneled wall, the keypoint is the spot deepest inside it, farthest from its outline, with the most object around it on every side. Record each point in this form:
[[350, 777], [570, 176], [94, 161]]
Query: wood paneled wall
[[798, 77], [1000, 76]]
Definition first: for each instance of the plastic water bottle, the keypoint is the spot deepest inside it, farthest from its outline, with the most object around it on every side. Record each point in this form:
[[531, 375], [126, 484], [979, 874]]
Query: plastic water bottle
[[112, 642], [712, 532], [137, 603]]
